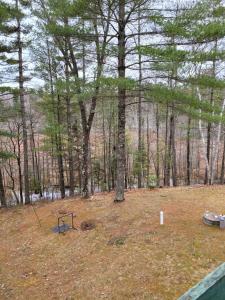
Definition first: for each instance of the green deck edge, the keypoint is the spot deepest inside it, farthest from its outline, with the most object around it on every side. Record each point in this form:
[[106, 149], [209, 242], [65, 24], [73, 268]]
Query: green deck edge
[[204, 285]]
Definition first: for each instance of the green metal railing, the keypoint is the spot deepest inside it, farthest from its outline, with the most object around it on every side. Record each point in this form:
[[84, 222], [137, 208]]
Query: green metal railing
[[212, 287]]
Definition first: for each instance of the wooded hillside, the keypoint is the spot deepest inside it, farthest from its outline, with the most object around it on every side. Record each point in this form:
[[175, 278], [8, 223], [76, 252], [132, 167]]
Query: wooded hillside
[[110, 95]]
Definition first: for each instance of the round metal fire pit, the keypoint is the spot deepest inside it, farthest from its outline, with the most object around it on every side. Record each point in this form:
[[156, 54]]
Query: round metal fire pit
[[212, 219]]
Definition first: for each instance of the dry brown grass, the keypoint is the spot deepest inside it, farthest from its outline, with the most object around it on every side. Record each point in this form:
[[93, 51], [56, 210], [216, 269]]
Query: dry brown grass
[[127, 256]]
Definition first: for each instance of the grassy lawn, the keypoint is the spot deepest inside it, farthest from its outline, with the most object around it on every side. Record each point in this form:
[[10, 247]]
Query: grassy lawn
[[127, 256]]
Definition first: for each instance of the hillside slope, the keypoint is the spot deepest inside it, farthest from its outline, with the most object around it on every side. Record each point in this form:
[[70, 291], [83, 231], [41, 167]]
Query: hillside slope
[[127, 256]]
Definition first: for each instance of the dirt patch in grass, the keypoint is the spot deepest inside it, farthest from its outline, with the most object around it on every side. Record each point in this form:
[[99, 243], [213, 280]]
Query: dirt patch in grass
[[143, 260], [88, 225]]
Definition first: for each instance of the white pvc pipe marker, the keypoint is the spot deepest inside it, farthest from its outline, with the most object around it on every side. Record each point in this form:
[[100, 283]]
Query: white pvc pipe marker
[[161, 218]]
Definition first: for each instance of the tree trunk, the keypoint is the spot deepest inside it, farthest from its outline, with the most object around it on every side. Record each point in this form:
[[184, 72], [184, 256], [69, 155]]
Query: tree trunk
[[18, 159], [76, 136], [203, 140], [173, 148], [140, 146], [126, 171], [23, 112], [188, 179], [223, 163], [121, 159], [216, 151], [104, 150], [167, 153], [157, 146], [208, 148], [208, 179], [148, 150], [35, 160], [2, 190], [60, 151], [85, 168], [109, 151], [69, 129]]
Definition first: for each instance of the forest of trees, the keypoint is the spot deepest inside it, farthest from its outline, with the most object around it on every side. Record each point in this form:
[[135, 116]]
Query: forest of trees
[[109, 95]]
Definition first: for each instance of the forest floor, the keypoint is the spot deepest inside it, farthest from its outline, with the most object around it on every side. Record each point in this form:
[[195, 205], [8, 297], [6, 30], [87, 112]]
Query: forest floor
[[127, 256]]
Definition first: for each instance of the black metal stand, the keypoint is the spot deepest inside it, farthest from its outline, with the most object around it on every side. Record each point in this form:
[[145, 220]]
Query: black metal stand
[[61, 220]]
